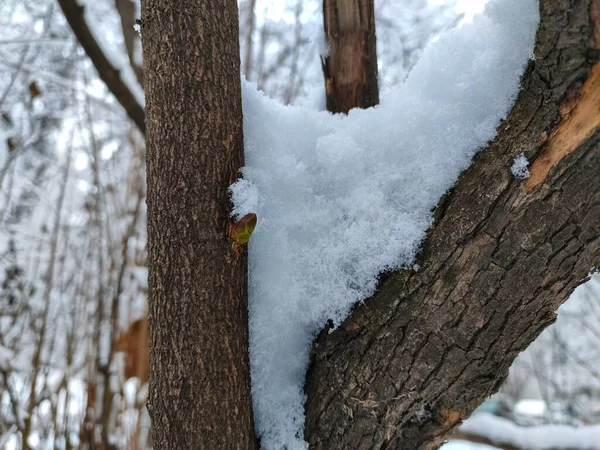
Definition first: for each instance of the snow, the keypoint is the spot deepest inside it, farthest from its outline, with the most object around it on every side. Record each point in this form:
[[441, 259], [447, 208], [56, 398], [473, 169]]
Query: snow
[[519, 168], [340, 199], [465, 445], [319, 38], [555, 437], [470, 7], [530, 408]]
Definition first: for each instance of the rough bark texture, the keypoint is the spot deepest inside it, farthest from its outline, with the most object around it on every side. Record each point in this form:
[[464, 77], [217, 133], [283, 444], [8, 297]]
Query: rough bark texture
[[413, 361], [350, 69], [108, 73], [199, 384]]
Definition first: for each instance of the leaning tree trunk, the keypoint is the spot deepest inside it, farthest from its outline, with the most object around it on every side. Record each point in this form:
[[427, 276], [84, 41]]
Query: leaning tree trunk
[[415, 360], [199, 384], [350, 67]]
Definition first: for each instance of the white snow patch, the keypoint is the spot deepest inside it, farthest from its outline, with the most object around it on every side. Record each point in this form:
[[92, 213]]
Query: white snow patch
[[530, 408], [323, 46], [340, 199], [465, 445], [316, 30], [542, 437], [519, 168]]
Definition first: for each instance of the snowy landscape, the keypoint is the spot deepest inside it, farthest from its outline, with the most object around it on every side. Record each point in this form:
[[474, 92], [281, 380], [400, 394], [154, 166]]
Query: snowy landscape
[[340, 200]]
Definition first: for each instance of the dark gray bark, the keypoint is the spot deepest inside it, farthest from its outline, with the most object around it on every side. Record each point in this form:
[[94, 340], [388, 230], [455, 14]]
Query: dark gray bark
[[199, 376], [415, 360], [350, 69]]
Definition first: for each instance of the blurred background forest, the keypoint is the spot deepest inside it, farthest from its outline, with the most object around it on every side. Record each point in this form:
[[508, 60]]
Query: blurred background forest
[[73, 275]]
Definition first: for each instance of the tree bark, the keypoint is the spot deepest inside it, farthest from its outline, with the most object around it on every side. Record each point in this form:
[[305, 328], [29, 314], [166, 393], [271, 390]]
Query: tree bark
[[415, 360], [350, 68], [199, 384]]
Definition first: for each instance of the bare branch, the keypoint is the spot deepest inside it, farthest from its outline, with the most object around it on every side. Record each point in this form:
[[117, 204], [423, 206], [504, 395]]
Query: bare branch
[[126, 10], [502, 433], [109, 74]]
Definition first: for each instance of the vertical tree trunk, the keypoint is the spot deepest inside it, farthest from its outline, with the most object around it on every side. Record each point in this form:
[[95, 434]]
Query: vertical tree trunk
[[199, 385], [350, 69]]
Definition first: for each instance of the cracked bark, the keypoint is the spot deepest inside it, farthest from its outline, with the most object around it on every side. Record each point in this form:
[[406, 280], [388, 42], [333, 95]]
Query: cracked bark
[[415, 359], [199, 395]]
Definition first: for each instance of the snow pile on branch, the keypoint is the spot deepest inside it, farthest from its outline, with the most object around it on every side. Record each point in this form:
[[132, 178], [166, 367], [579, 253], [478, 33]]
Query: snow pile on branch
[[341, 199], [543, 437]]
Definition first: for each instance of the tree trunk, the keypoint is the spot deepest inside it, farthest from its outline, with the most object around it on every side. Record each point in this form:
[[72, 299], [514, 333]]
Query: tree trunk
[[415, 360], [350, 68], [199, 385]]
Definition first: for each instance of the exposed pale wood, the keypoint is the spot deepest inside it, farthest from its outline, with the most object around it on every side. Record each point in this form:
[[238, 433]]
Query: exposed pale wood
[[580, 119]]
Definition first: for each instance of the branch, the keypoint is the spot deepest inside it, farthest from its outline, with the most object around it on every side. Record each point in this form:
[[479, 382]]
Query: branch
[[127, 10], [414, 360], [115, 78], [250, 24], [499, 432], [476, 439]]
